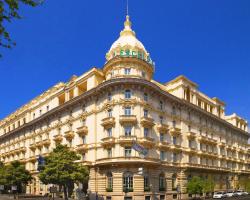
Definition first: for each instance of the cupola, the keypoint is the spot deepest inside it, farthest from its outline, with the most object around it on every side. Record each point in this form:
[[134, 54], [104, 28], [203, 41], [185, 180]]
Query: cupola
[[128, 57]]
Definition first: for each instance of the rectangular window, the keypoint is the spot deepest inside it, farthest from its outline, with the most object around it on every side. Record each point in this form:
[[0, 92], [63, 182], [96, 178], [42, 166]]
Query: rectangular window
[[190, 143], [83, 156], [127, 111], [174, 140], [109, 132], [145, 97], [145, 113], [128, 130], [146, 132], [174, 157], [84, 139], [161, 105], [109, 153], [174, 124], [143, 74], [127, 94], [109, 113], [146, 182], [109, 96], [190, 159], [161, 137], [127, 71], [161, 119], [162, 155], [127, 151]]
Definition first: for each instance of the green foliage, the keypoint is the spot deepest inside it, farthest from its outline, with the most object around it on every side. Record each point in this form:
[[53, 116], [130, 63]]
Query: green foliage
[[245, 184], [195, 185], [14, 174], [208, 185], [109, 189], [62, 169], [3, 180], [9, 10]]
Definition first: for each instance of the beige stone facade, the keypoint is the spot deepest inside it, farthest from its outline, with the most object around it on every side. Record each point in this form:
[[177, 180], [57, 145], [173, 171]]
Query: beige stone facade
[[103, 113]]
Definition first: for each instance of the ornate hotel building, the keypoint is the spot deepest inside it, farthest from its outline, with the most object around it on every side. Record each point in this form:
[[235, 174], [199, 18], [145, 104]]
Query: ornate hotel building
[[105, 112]]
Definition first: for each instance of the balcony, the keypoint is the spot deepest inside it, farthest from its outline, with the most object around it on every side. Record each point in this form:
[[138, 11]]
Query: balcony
[[108, 141], [128, 119], [32, 159], [21, 150], [22, 160], [58, 138], [162, 128], [191, 150], [163, 145], [108, 122], [222, 144], [46, 142], [82, 147], [207, 154], [146, 142], [83, 130], [147, 122], [207, 140], [127, 140], [39, 144], [176, 147], [175, 131], [204, 167], [191, 134], [69, 135], [33, 145]]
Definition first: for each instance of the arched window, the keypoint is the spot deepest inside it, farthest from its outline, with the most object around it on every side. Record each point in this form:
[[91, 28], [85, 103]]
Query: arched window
[[174, 182], [127, 94], [128, 182], [109, 182], [162, 182]]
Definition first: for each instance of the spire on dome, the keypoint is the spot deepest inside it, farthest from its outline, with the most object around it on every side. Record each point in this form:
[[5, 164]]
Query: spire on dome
[[127, 27]]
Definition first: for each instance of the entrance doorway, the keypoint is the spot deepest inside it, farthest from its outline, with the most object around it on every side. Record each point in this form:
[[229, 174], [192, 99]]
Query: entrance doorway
[[127, 198]]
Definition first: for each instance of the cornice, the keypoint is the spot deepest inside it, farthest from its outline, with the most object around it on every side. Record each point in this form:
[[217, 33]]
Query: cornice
[[93, 93]]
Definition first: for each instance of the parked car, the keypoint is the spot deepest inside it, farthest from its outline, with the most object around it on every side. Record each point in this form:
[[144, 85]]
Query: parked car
[[240, 192], [229, 194], [219, 195], [235, 194]]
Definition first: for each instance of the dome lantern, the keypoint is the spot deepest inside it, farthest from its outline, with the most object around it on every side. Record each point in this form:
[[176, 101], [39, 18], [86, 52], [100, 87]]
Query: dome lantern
[[130, 52]]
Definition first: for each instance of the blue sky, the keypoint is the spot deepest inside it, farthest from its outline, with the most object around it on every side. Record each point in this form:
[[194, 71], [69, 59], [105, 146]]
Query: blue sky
[[206, 40]]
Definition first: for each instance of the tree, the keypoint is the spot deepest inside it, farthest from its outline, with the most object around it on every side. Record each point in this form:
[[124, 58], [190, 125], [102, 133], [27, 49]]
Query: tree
[[16, 174], [195, 186], [208, 185], [3, 180], [245, 184], [9, 11], [62, 169]]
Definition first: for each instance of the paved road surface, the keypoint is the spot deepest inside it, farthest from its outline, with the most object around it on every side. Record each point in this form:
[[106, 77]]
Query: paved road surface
[[6, 197]]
